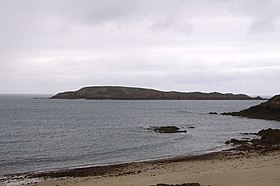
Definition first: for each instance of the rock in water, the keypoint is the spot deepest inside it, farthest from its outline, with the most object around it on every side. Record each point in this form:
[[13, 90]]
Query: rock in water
[[269, 141], [270, 136], [167, 129], [213, 113]]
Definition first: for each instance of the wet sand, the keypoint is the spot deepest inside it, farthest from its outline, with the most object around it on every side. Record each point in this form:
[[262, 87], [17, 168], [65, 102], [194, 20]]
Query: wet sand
[[226, 168]]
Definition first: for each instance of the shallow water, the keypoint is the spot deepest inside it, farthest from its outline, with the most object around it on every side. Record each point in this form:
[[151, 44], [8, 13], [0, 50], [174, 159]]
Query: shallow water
[[45, 134]]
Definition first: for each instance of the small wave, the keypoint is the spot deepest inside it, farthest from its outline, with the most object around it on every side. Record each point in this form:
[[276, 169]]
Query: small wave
[[18, 180]]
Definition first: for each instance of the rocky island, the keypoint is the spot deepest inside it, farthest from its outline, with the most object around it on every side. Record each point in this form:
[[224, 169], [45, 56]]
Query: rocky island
[[269, 110], [131, 93]]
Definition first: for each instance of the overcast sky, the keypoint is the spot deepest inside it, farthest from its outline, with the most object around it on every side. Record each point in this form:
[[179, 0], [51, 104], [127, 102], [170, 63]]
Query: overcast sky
[[185, 45]]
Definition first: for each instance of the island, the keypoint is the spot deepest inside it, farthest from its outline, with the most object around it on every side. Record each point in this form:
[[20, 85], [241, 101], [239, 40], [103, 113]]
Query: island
[[132, 93], [269, 110]]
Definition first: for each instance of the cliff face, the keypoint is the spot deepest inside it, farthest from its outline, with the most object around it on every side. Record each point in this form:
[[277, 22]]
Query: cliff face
[[129, 93], [269, 110]]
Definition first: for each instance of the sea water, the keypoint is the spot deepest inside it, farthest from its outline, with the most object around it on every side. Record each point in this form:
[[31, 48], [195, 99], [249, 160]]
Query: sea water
[[48, 134]]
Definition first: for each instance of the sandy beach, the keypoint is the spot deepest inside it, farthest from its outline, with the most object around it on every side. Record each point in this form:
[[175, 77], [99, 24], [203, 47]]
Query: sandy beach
[[227, 168]]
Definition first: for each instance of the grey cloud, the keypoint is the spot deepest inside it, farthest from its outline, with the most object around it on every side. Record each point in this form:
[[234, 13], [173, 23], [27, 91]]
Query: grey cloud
[[263, 25], [90, 13], [181, 45], [264, 14], [171, 24]]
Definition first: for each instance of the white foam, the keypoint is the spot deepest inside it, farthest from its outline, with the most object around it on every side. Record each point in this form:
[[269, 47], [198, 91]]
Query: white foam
[[19, 180]]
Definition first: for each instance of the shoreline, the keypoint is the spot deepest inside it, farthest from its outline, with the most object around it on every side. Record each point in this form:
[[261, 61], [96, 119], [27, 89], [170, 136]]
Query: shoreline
[[150, 170], [99, 170], [74, 168], [259, 158]]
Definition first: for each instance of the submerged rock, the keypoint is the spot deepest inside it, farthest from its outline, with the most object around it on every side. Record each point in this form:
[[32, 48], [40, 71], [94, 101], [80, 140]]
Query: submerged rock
[[236, 141], [248, 133], [167, 129]]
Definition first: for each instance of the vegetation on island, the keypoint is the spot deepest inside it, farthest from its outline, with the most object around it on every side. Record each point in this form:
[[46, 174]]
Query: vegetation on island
[[131, 93]]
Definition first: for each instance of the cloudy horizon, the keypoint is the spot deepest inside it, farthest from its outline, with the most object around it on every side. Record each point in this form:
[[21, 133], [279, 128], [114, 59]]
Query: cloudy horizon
[[197, 45]]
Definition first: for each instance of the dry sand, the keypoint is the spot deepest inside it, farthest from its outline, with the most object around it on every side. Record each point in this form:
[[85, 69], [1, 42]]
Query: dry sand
[[230, 168]]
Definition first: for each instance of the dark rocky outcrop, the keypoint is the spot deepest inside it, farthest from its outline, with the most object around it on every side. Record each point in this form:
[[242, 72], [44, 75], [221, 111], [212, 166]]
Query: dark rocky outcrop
[[184, 184], [269, 136], [167, 129], [130, 93], [213, 113], [269, 110], [269, 140]]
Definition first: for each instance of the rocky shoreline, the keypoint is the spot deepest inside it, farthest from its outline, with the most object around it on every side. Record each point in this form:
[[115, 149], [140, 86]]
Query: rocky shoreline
[[269, 141], [269, 110]]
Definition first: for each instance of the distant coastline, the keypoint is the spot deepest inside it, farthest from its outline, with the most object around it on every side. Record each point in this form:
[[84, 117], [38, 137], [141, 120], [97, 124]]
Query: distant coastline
[[131, 93]]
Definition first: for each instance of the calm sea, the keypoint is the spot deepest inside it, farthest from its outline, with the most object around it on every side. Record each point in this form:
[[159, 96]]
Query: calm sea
[[45, 134]]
